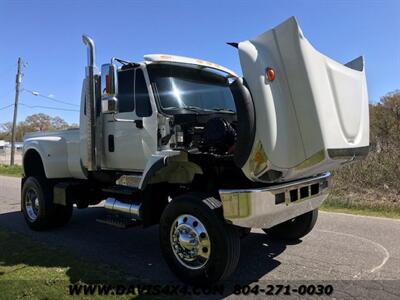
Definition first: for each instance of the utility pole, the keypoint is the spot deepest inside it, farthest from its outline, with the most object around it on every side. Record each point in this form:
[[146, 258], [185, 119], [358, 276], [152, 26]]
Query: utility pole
[[13, 131]]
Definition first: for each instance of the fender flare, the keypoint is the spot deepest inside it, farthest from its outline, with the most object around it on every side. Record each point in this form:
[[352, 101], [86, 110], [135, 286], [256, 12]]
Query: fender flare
[[169, 166], [34, 148], [156, 163]]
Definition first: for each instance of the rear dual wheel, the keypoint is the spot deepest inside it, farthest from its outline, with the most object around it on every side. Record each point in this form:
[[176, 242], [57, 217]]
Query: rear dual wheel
[[37, 205]]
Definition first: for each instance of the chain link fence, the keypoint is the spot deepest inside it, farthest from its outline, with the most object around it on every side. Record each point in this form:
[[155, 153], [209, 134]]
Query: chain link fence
[[5, 156]]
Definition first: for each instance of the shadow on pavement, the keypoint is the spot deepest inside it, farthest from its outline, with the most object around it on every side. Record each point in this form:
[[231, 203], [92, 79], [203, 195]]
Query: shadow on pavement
[[135, 251]]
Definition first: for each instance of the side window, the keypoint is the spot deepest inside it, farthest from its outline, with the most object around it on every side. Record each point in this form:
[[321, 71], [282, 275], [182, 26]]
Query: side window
[[142, 98], [126, 101]]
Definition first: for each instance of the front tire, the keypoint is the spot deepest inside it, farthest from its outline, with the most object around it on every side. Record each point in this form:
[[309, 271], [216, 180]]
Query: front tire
[[197, 244], [295, 228], [37, 205]]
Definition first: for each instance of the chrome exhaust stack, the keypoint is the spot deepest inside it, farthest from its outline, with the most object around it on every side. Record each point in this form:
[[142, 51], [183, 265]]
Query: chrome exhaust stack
[[133, 209], [90, 90], [91, 55]]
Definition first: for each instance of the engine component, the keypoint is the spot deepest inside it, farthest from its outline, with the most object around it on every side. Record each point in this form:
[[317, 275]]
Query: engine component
[[219, 135]]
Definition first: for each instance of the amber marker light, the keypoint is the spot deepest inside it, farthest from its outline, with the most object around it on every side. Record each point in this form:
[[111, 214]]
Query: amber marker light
[[270, 74], [108, 84]]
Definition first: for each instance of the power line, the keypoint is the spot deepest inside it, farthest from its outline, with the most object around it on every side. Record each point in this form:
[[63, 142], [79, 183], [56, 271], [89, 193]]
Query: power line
[[7, 106], [47, 107], [49, 98], [38, 106]]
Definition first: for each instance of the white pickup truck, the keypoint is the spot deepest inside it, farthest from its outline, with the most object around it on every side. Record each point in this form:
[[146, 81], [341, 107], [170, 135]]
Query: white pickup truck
[[206, 154]]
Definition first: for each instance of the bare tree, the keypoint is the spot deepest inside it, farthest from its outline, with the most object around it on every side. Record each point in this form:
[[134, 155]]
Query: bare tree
[[35, 122], [58, 123], [38, 122]]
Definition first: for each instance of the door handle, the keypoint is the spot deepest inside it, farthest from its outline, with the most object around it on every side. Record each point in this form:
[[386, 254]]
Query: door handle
[[111, 144], [139, 123]]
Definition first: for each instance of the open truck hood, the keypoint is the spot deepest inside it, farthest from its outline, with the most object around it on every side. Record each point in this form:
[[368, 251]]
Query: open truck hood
[[312, 117]]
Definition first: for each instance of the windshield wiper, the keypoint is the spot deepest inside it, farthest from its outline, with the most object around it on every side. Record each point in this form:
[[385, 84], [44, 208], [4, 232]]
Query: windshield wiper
[[187, 107], [195, 108], [223, 110]]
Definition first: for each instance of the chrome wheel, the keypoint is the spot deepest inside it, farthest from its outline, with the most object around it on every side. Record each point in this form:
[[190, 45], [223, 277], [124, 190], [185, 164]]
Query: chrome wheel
[[32, 204], [190, 242]]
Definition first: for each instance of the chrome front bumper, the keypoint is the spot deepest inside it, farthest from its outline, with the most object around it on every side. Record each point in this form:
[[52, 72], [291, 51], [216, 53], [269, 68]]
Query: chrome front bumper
[[266, 207]]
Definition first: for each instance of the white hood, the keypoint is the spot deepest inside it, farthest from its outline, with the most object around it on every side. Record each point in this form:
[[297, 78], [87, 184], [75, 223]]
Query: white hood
[[313, 116]]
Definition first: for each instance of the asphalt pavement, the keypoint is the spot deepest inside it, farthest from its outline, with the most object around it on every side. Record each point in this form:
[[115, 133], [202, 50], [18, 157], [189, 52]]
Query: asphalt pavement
[[345, 250]]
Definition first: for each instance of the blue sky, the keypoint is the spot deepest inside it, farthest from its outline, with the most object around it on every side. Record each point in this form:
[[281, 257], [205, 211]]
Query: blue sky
[[47, 35]]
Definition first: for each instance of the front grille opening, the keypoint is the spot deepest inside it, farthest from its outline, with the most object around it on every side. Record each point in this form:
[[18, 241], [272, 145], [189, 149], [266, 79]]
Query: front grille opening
[[279, 198], [294, 196], [304, 193], [315, 189]]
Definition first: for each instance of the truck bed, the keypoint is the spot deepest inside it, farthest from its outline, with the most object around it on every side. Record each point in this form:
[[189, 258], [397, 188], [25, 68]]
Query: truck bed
[[59, 150]]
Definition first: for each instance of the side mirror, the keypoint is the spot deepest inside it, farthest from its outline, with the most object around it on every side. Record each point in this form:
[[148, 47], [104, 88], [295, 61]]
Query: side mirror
[[109, 89]]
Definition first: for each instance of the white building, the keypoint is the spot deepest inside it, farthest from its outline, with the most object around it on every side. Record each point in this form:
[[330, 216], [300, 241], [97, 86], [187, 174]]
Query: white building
[[3, 145]]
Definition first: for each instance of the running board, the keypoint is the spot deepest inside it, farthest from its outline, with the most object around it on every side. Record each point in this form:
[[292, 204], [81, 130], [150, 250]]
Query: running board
[[118, 220]]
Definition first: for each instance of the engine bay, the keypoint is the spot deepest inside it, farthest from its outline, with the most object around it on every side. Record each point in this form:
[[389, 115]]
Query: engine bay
[[213, 133]]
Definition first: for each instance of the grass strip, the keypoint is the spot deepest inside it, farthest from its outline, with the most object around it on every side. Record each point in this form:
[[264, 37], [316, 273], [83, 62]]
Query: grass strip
[[15, 171], [335, 204], [32, 270]]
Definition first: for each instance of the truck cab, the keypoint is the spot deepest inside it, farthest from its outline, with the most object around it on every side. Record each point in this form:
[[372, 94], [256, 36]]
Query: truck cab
[[205, 153], [163, 104]]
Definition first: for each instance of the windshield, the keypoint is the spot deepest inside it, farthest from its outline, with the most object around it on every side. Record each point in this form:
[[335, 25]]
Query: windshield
[[190, 88]]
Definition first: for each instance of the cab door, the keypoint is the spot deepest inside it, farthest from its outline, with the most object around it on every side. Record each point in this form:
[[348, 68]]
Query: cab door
[[129, 143]]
